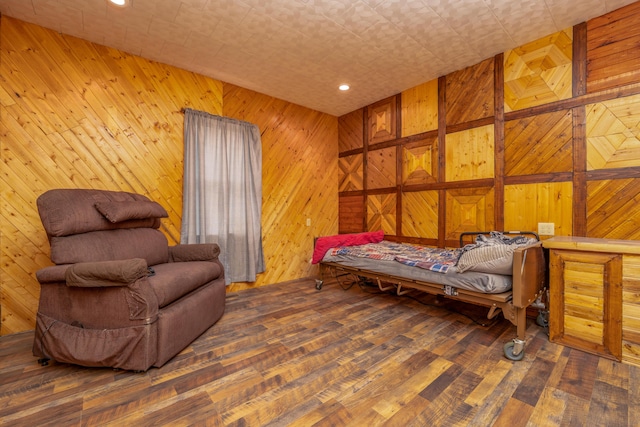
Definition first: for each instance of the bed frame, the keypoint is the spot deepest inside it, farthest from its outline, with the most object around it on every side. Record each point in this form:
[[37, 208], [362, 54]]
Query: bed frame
[[529, 278]]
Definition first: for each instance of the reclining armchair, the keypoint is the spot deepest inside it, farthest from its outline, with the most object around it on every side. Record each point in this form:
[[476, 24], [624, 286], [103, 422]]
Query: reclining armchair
[[118, 295]]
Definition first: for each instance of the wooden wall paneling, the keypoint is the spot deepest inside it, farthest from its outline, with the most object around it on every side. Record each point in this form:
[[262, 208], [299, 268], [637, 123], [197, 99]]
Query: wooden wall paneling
[[468, 209], [612, 210], [351, 213], [539, 72], [442, 159], [470, 154], [381, 212], [539, 144], [579, 172], [613, 133], [350, 131], [499, 141], [528, 204], [466, 101], [351, 170], [97, 118], [579, 79], [300, 180], [420, 214], [612, 49], [420, 162], [631, 309], [382, 121], [419, 112], [381, 168]]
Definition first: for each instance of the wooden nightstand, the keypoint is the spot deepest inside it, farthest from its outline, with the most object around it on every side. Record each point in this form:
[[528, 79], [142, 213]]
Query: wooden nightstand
[[594, 295]]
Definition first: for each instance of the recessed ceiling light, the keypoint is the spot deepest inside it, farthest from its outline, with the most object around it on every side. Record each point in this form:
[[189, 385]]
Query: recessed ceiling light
[[343, 87], [118, 2]]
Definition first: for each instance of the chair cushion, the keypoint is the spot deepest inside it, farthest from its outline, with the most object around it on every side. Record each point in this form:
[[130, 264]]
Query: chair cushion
[[123, 211], [146, 243], [70, 211], [176, 279]]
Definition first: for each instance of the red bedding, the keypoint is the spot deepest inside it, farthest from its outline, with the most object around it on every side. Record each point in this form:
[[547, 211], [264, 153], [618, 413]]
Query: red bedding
[[323, 244]]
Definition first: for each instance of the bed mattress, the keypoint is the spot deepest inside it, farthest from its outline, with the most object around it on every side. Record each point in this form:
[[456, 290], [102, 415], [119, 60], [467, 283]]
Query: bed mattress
[[469, 280]]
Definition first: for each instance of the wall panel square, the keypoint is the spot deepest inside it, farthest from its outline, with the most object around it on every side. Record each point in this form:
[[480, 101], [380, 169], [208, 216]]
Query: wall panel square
[[420, 162], [381, 213], [351, 214], [525, 205], [612, 211], [420, 214], [470, 154], [381, 168], [350, 173], [382, 121], [539, 72], [613, 133], [351, 131], [466, 101], [469, 209], [539, 144], [420, 109]]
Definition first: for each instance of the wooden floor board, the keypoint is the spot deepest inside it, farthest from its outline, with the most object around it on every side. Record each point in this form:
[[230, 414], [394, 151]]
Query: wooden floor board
[[292, 355]]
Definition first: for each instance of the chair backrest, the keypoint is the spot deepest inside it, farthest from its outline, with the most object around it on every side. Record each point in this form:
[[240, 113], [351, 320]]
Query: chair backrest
[[85, 225]]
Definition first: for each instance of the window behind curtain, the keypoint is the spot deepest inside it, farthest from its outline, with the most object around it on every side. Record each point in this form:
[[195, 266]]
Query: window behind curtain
[[222, 198]]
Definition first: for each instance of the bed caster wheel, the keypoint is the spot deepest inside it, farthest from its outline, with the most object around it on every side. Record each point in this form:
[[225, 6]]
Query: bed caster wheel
[[319, 284], [514, 350], [543, 319], [43, 362]]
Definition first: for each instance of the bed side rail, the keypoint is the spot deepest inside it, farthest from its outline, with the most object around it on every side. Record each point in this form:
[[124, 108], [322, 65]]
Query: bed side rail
[[529, 278]]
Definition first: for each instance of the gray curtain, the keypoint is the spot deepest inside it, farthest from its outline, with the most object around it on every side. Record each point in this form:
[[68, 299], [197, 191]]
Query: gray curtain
[[222, 198]]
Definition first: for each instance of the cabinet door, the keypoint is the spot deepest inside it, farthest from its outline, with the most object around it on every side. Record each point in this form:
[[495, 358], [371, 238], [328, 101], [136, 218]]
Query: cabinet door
[[585, 304]]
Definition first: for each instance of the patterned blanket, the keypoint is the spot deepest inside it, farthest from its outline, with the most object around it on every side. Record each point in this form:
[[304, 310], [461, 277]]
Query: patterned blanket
[[433, 259]]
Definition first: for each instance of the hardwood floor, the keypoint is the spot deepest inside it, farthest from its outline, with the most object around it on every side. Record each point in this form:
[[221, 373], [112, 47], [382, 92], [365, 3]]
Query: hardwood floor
[[289, 354]]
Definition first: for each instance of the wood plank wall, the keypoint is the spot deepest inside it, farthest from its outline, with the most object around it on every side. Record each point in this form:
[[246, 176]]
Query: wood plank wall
[[77, 114], [547, 132], [299, 180]]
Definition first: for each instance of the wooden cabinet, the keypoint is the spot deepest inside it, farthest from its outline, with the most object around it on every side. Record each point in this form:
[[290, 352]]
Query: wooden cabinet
[[594, 296]]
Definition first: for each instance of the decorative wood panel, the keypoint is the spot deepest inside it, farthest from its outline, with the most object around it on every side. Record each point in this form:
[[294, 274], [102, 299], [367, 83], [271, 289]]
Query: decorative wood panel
[[419, 109], [381, 213], [299, 180], [420, 162], [539, 144], [420, 214], [525, 205], [469, 209], [612, 49], [631, 309], [381, 168], [79, 115], [612, 209], [613, 133], [470, 94], [586, 300], [470, 154], [351, 131], [350, 173], [382, 120], [351, 212], [539, 72]]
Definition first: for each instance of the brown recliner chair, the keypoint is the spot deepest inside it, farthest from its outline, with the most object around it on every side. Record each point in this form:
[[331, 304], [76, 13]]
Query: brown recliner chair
[[119, 296]]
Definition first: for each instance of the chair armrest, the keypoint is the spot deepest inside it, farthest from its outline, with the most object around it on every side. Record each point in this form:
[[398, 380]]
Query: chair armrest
[[194, 252], [52, 274], [106, 273]]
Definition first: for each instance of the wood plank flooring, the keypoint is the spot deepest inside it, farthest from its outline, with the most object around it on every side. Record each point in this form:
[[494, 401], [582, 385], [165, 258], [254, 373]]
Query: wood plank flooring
[[289, 354]]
